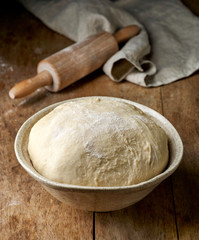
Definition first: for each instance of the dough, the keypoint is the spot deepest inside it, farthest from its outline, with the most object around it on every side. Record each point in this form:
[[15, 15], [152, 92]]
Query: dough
[[98, 142]]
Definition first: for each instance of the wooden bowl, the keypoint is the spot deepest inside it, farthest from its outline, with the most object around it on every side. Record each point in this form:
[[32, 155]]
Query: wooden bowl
[[100, 199]]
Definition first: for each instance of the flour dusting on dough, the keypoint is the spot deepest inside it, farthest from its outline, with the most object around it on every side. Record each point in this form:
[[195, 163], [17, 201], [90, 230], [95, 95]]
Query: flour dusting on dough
[[98, 142]]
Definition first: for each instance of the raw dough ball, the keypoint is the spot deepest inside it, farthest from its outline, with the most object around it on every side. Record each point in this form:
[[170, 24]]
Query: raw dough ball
[[98, 142]]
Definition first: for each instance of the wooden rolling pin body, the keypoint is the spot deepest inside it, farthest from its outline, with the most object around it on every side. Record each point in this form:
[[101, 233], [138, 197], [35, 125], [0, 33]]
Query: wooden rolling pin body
[[74, 62]]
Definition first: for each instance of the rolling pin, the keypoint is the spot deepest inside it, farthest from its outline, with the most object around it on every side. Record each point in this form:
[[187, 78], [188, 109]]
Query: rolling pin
[[74, 62]]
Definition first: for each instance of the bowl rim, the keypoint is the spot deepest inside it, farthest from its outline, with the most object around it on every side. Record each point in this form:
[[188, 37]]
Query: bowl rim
[[140, 186]]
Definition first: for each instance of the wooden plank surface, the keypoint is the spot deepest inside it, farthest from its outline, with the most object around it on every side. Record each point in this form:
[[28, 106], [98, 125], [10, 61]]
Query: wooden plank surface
[[153, 217], [27, 210], [181, 107]]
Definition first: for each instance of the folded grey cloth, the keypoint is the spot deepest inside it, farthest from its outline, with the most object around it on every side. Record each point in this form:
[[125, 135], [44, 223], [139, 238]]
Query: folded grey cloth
[[173, 31]]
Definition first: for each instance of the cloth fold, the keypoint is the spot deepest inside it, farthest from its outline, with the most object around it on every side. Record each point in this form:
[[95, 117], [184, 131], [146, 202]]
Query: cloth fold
[[173, 31]]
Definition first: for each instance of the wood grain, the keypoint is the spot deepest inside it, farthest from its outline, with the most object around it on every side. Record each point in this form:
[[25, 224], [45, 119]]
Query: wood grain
[[183, 99], [154, 216], [27, 210], [151, 218]]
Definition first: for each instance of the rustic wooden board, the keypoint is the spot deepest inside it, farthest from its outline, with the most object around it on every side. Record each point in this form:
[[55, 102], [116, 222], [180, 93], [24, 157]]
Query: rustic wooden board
[[154, 216], [151, 218], [181, 107], [27, 210]]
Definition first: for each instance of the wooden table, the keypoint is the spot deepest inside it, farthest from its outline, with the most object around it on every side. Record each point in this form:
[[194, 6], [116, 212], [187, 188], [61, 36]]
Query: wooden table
[[171, 211]]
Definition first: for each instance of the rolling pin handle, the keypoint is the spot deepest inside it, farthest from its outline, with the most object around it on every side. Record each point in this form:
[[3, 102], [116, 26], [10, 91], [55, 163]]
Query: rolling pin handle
[[44, 78], [26, 87], [126, 33]]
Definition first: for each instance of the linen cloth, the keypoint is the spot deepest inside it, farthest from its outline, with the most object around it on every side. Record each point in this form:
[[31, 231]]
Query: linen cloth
[[165, 50]]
